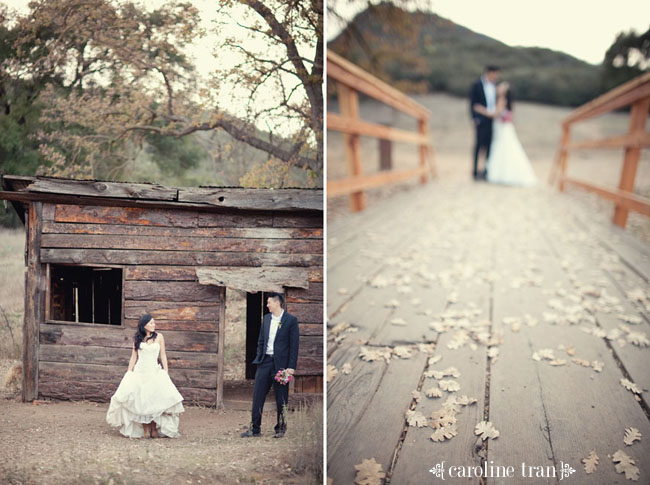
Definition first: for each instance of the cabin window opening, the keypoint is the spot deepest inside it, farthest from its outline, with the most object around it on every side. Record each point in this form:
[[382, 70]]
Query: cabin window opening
[[85, 294]]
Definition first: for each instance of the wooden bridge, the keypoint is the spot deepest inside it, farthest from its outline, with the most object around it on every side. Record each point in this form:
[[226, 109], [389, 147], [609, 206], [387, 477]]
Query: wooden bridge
[[458, 303]]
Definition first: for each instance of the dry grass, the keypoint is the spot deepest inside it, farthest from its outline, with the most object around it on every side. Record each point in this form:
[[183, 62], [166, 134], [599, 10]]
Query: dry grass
[[12, 282], [305, 425]]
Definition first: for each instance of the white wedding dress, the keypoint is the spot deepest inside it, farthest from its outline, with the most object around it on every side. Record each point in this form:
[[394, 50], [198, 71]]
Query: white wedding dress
[[146, 394], [507, 163]]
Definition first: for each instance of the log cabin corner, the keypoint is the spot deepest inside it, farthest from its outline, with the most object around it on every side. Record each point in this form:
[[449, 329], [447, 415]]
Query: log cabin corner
[[100, 254]]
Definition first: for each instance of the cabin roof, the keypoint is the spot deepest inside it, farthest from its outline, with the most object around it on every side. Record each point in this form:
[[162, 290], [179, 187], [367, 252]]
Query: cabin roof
[[21, 190]]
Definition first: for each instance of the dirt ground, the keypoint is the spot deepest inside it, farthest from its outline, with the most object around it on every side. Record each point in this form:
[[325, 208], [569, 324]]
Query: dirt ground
[[70, 442]]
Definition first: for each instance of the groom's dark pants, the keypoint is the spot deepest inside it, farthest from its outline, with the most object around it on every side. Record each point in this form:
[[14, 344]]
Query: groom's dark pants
[[483, 141], [264, 379]]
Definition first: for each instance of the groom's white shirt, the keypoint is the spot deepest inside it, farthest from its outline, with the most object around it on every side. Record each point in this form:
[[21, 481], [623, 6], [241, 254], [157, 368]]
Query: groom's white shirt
[[490, 91], [273, 330]]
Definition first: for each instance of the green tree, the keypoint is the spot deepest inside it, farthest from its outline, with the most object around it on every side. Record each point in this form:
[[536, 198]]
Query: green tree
[[627, 58]]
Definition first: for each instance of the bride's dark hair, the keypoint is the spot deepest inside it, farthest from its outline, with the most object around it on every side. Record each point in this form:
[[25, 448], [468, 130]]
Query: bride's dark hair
[[141, 333], [509, 99]]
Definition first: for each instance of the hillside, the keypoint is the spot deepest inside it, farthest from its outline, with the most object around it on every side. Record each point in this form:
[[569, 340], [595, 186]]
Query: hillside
[[425, 52]]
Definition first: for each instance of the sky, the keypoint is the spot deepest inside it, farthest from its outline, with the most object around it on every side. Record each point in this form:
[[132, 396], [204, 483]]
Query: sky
[[582, 28]]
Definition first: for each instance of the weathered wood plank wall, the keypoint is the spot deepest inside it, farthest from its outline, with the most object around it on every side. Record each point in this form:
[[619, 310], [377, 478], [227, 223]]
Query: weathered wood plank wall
[[159, 250]]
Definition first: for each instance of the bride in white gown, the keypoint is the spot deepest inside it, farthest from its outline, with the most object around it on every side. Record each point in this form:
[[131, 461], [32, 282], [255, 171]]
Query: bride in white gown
[[146, 403], [507, 162]]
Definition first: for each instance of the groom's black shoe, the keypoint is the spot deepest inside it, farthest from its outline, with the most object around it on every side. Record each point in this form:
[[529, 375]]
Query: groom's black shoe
[[279, 434], [250, 434]]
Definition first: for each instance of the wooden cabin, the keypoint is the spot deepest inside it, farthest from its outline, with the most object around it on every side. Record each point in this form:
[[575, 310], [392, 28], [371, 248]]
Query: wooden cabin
[[101, 254]]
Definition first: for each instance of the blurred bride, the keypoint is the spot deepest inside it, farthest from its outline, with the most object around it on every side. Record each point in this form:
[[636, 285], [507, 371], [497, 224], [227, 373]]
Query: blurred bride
[[507, 162]]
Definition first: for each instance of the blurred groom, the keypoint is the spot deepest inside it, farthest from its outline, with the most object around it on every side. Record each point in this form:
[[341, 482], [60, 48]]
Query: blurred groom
[[482, 101], [277, 349]]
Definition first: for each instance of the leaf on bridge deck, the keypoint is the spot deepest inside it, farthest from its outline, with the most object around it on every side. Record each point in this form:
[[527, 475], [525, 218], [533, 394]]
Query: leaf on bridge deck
[[416, 418], [630, 386], [449, 385], [445, 416], [398, 321], [434, 360], [403, 352], [548, 354], [582, 362], [633, 319], [370, 355], [591, 462], [433, 392], [631, 435], [346, 369], [444, 433], [625, 464], [369, 472], [417, 395], [332, 372], [597, 365], [485, 430], [640, 339]]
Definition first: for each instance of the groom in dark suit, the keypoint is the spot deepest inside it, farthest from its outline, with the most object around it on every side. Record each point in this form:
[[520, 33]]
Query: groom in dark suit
[[482, 102], [277, 348]]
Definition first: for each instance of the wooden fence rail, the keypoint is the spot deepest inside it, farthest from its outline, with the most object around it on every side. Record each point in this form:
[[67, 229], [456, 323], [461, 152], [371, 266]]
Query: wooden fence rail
[[637, 94], [350, 81]]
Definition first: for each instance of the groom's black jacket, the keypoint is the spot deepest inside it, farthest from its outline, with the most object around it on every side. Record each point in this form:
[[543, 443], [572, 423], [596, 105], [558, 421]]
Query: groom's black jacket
[[477, 96], [285, 346]]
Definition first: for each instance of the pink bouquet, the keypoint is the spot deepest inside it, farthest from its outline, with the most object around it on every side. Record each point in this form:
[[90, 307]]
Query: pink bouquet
[[506, 116], [283, 377]]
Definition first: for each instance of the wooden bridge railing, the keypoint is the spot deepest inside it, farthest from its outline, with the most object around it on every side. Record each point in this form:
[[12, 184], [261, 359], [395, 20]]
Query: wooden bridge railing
[[351, 80], [636, 93]]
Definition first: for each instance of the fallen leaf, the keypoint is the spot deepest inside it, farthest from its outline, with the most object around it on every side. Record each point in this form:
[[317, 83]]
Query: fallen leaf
[[493, 352], [631, 435], [402, 352], [370, 355], [444, 433], [347, 368], [369, 473], [442, 417], [485, 430], [338, 328], [633, 319], [640, 339], [416, 418], [332, 372], [582, 362], [630, 386], [398, 321], [558, 362], [465, 400], [625, 464], [392, 304], [433, 392], [591, 462], [435, 359], [417, 395], [449, 385], [597, 365]]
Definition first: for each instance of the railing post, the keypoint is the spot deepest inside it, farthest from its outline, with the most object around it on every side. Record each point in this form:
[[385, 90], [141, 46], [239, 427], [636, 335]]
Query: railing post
[[563, 154], [638, 117], [349, 103], [424, 130]]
